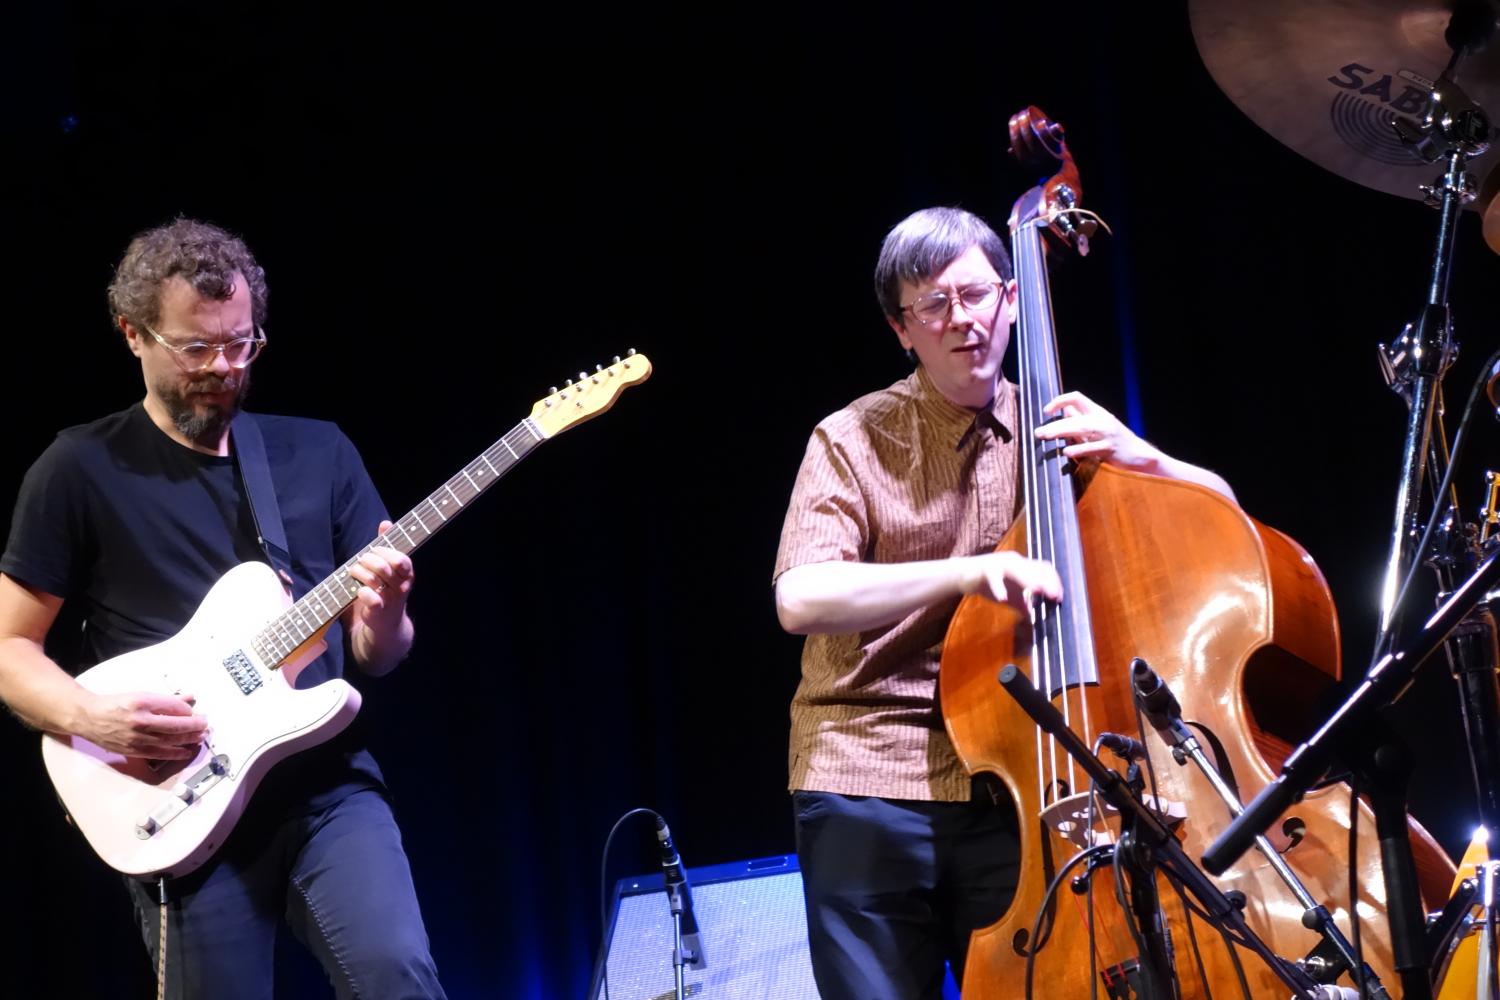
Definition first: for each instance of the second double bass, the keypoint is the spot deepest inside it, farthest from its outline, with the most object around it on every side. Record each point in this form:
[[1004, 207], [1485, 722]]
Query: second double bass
[[1235, 617]]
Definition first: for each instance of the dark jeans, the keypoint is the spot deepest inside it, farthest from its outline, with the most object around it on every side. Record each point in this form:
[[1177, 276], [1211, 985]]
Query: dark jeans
[[894, 887], [340, 880]]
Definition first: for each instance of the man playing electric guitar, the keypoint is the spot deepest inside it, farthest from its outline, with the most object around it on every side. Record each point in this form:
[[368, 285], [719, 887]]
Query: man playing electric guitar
[[131, 519]]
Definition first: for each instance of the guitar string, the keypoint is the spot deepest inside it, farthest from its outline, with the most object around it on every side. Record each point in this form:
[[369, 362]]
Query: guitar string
[[270, 640]]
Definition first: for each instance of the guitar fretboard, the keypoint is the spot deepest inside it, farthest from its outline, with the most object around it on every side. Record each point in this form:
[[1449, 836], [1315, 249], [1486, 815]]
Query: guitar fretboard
[[326, 601]]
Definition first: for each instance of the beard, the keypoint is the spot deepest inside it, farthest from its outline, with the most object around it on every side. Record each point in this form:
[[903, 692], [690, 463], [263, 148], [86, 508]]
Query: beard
[[200, 421]]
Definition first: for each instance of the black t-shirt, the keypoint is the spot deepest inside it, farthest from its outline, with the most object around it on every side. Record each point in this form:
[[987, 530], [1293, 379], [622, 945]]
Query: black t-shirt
[[131, 529]]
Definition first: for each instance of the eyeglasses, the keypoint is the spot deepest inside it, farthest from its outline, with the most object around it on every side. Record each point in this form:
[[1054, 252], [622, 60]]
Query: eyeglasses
[[197, 356], [934, 307]]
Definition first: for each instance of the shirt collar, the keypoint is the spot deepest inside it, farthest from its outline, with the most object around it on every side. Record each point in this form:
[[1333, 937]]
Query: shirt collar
[[955, 424]]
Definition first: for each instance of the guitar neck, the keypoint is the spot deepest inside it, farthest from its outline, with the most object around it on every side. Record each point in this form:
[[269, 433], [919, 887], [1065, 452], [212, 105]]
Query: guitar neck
[[311, 614]]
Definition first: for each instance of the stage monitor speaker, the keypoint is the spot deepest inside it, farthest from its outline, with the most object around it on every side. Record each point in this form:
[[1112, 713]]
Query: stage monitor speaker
[[753, 928]]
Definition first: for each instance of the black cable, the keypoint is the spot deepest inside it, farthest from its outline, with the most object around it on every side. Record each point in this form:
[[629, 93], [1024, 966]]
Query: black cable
[[1208, 993], [1230, 940], [1140, 731], [604, 888], [1234, 959], [1358, 972], [1088, 896], [1144, 959], [1220, 757], [1041, 912], [1036, 942], [1198, 911], [1439, 507], [1088, 902]]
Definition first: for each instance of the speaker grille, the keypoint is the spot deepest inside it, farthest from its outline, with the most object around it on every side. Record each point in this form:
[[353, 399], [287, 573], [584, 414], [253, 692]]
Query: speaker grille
[[754, 933]]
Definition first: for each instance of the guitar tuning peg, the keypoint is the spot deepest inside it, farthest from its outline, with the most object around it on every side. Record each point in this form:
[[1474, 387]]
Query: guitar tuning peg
[[617, 359], [552, 391], [582, 376], [630, 353], [598, 368], [567, 383]]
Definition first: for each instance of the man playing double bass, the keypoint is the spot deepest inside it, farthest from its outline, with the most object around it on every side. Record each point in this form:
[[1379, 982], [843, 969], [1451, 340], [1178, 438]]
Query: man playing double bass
[[900, 501]]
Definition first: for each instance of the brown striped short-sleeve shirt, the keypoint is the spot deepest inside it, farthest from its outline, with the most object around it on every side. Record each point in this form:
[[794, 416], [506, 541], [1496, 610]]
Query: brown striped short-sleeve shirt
[[900, 475]]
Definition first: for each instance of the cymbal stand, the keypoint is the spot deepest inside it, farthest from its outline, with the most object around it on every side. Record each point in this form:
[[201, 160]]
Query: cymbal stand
[[1471, 651], [1414, 364]]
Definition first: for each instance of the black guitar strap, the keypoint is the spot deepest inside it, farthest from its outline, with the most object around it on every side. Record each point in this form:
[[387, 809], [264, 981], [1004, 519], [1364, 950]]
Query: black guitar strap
[[250, 453]]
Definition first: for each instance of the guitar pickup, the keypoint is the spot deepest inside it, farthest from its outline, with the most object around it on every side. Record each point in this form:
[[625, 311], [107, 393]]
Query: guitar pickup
[[184, 793]]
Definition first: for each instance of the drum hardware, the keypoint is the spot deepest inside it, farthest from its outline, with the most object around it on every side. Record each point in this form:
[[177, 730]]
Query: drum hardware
[[1391, 72]]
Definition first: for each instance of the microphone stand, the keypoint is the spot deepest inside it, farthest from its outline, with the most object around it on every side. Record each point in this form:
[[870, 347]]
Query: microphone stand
[[1315, 915], [1153, 846], [680, 959], [1309, 762], [680, 903]]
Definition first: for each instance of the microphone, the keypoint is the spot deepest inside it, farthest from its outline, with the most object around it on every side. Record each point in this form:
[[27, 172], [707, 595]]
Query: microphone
[[1158, 703], [1124, 747], [677, 888]]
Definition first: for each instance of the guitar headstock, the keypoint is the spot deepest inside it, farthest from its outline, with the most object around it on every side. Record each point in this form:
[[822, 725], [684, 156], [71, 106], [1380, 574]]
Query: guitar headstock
[[592, 394]]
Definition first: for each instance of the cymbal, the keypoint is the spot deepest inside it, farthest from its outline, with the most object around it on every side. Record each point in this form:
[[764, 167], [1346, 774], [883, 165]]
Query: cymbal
[[1327, 77]]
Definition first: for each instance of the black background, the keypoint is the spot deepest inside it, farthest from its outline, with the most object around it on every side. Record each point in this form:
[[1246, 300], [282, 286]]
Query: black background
[[457, 208]]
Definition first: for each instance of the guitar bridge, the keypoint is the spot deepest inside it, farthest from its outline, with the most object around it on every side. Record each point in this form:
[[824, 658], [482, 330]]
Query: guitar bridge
[[184, 794], [243, 671]]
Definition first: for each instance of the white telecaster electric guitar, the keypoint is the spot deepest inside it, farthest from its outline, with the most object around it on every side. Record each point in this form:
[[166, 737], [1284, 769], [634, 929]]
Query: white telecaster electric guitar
[[239, 656]]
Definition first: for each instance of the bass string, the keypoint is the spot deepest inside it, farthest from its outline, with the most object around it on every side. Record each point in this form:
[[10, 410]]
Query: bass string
[[1051, 652]]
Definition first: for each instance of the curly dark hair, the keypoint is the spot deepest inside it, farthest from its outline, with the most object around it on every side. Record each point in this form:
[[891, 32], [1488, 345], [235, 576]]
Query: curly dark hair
[[204, 255]]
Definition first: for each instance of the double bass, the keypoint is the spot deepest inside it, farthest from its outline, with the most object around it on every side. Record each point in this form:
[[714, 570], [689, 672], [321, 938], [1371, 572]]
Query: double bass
[[1233, 615]]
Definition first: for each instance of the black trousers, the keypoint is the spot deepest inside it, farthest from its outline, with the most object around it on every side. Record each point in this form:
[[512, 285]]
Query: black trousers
[[894, 887], [338, 877]]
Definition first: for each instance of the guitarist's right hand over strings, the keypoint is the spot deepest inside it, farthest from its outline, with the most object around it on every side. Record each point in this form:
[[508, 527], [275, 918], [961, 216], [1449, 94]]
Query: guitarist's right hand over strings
[[144, 724]]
